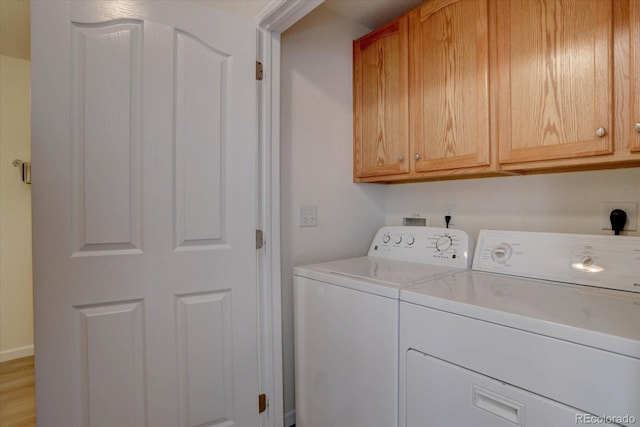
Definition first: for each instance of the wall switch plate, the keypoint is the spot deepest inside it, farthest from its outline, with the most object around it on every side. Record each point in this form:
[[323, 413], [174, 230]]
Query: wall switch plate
[[449, 209], [631, 208], [308, 217]]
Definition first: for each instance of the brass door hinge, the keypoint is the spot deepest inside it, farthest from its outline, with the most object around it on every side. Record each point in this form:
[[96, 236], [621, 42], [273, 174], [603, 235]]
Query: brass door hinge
[[259, 239], [259, 71], [262, 403]]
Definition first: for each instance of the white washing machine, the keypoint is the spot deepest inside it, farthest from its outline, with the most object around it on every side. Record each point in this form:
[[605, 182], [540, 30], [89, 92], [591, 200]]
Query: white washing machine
[[346, 324], [545, 331]]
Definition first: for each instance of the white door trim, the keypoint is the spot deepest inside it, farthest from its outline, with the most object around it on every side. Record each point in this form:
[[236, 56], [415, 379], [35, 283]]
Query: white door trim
[[272, 20]]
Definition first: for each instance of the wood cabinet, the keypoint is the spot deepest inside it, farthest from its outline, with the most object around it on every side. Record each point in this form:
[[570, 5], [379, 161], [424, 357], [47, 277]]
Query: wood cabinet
[[499, 87], [585, 80], [381, 101], [634, 48], [555, 87], [427, 114], [449, 88]]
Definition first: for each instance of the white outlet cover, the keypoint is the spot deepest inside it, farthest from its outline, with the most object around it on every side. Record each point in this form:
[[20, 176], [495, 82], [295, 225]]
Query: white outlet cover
[[631, 208], [449, 209]]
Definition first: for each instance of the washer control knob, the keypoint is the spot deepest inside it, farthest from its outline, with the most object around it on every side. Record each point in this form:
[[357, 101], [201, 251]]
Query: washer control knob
[[501, 253], [398, 239], [386, 237], [411, 240], [444, 243]]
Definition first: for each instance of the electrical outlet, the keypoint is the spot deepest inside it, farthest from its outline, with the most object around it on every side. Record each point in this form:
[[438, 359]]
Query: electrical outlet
[[308, 217], [450, 210], [631, 208]]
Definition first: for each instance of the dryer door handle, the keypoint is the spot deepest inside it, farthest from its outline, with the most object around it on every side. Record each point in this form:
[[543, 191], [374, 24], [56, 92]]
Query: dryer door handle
[[498, 405]]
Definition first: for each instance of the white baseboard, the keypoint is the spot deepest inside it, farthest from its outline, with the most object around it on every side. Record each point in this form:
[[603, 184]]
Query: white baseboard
[[290, 418], [16, 353]]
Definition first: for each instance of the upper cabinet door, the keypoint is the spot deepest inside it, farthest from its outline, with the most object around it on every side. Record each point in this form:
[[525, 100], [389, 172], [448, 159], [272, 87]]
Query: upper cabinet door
[[381, 118], [634, 17], [449, 85], [554, 79]]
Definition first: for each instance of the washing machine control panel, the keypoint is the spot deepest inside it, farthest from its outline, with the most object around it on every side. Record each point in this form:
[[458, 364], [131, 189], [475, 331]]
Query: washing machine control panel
[[428, 245], [595, 260]]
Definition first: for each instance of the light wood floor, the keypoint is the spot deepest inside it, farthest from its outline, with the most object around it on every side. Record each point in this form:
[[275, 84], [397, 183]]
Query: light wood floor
[[17, 393]]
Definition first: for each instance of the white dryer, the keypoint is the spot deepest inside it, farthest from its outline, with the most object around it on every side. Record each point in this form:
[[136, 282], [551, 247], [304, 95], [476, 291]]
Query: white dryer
[[545, 331], [346, 324]]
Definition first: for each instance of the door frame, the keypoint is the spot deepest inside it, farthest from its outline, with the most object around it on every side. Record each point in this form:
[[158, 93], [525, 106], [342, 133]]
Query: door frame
[[272, 20]]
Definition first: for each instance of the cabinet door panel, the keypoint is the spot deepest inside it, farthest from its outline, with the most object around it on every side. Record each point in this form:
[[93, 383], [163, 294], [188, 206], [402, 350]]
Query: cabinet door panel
[[381, 101], [555, 79], [634, 19], [449, 85]]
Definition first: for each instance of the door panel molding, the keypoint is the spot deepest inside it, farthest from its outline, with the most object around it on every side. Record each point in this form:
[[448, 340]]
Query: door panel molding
[[201, 115], [106, 131], [204, 326], [110, 335]]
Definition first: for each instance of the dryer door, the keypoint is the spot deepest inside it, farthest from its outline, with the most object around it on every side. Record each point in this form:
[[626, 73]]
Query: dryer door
[[440, 394]]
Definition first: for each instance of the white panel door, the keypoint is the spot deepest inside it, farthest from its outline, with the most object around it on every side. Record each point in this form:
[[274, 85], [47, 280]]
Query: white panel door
[[144, 199]]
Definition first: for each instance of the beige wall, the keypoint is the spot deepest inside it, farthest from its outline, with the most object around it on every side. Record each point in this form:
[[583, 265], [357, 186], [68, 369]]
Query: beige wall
[[316, 156], [16, 307]]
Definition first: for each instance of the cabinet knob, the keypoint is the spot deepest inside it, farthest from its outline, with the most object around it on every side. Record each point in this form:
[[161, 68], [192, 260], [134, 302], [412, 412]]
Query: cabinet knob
[[601, 131], [637, 127], [401, 158], [417, 156]]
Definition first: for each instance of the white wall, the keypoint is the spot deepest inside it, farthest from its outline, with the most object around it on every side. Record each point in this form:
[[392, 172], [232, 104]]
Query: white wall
[[16, 306], [563, 202], [316, 156]]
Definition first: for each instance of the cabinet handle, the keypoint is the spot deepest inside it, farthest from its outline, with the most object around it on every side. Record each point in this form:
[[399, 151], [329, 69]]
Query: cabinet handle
[[637, 127], [601, 131], [401, 158], [417, 156]]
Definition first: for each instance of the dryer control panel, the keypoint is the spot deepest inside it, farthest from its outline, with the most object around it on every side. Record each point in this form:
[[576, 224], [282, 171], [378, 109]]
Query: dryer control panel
[[596, 260], [427, 245]]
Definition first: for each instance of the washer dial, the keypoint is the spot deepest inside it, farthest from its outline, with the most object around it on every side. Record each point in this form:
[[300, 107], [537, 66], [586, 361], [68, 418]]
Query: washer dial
[[444, 243], [501, 253]]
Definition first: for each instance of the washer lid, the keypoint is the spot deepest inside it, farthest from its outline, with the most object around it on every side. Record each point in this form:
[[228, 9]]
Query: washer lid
[[602, 318], [374, 275]]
